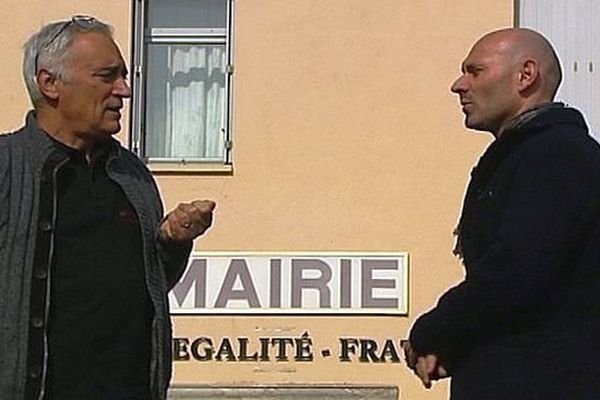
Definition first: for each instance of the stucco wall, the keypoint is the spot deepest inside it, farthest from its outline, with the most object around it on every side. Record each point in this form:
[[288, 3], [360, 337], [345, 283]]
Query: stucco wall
[[346, 138]]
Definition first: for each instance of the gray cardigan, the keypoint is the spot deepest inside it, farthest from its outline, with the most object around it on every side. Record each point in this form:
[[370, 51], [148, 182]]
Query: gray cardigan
[[22, 158]]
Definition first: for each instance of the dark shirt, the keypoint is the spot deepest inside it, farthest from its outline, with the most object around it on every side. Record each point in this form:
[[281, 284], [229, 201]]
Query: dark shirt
[[100, 312]]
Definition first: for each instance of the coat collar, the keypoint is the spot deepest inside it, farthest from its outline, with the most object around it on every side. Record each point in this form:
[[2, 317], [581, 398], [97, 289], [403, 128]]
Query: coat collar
[[41, 144], [530, 123]]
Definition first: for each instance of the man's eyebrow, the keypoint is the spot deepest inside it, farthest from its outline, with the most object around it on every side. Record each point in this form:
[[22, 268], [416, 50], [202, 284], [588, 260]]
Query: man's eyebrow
[[114, 69], [471, 66]]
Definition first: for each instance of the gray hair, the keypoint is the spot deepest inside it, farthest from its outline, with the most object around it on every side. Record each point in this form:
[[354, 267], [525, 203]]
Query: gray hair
[[49, 49]]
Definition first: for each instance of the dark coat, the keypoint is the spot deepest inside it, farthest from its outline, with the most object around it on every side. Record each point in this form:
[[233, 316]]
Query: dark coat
[[525, 322]]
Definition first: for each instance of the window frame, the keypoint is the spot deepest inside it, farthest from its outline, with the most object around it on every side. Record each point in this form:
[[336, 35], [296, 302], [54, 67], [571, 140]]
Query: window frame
[[142, 37]]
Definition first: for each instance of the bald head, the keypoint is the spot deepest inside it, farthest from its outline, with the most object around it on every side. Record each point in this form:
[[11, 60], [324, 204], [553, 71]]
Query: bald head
[[519, 45], [506, 73]]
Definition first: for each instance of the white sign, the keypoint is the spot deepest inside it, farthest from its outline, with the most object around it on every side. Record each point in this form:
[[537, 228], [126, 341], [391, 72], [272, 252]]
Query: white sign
[[292, 283]]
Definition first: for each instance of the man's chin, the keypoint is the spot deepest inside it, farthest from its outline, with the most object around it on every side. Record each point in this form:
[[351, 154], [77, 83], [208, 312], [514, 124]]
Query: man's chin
[[469, 123], [475, 125], [483, 129], [111, 129]]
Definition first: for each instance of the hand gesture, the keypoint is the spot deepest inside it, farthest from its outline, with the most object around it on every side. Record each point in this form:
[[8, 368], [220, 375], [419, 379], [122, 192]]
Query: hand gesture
[[187, 221]]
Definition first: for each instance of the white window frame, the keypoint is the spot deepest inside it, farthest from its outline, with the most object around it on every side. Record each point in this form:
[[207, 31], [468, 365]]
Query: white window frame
[[142, 37]]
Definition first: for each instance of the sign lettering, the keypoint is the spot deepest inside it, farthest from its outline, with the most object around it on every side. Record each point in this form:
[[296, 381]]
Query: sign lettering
[[294, 283]]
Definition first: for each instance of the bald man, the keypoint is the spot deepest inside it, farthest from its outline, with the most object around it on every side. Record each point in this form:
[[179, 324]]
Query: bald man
[[525, 322]]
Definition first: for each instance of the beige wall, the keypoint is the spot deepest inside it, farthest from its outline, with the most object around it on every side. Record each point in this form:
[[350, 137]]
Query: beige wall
[[346, 138]]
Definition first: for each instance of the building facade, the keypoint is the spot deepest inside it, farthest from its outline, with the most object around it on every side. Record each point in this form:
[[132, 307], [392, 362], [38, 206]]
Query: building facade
[[327, 135]]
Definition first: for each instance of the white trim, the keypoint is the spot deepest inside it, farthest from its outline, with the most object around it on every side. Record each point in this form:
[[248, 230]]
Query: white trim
[[166, 32]]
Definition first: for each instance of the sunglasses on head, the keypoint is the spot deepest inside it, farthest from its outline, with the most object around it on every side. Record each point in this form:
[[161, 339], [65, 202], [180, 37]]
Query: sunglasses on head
[[82, 21]]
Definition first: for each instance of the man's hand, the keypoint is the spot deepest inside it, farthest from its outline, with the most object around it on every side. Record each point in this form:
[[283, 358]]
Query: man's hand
[[409, 354], [427, 367], [187, 221]]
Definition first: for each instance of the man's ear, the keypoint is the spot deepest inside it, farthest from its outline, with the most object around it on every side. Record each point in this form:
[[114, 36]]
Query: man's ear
[[47, 83], [528, 75]]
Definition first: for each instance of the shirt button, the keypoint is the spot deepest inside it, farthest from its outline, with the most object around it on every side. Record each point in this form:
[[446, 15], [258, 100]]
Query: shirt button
[[45, 226], [34, 373], [37, 322], [40, 273]]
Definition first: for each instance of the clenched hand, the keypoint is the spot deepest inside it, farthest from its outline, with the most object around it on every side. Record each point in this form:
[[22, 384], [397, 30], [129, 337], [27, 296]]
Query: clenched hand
[[426, 366], [187, 221]]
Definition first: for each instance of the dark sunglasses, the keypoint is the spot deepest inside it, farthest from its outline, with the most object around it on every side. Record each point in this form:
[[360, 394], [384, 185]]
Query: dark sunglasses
[[82, 21]]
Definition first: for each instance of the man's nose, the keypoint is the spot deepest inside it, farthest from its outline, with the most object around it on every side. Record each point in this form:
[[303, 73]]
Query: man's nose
[[459, 85], [122, 88]]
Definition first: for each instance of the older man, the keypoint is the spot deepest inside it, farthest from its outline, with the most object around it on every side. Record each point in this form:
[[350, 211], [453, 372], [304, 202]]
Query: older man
[[524, 323], [86, 257]]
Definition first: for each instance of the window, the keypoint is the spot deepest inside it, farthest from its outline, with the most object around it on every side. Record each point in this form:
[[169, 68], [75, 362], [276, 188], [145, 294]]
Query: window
[[572, 28], [182, 80]]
